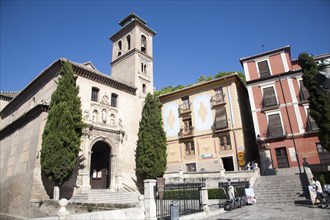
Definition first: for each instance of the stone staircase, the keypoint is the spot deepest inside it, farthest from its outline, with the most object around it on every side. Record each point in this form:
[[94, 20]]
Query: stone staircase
[[286, 186], [104, 196]]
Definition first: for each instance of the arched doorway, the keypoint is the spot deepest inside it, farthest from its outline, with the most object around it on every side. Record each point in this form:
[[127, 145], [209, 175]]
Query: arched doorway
[[100, 166]]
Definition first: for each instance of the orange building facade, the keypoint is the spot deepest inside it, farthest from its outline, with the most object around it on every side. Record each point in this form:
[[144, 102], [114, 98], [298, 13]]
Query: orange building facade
[[285, 133]]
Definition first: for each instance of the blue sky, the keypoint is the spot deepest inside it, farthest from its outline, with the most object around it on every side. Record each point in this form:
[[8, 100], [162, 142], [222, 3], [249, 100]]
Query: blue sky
[[193, 38]]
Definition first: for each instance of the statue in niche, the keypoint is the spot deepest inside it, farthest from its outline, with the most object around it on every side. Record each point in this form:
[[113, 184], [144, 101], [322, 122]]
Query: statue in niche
[[104, 116], [120, 123], [112, 120], [86, 114], [94, 116]]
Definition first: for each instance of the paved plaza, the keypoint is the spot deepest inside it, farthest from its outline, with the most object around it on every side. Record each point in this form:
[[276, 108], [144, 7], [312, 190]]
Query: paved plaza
[[274, 211]]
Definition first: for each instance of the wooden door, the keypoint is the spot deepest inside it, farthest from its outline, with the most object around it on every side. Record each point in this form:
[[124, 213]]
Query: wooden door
[[282, 157]]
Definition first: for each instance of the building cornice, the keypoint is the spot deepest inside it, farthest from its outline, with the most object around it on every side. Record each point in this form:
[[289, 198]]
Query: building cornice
[[187, 90], [286, 48], [129, 53], [131, 25], [273, 76], [23, 120]]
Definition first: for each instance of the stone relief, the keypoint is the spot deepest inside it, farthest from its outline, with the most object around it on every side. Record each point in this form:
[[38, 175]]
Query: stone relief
[[105, 99]]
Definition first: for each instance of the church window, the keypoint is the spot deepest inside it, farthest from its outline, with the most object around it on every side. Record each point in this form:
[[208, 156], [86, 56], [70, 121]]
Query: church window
[[128, 38], [114, 98], [143, 44], [145, 68], [95, 92], [119, 48], [144, 88]]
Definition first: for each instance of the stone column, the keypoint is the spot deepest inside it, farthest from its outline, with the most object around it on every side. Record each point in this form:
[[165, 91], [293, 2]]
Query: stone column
[[113, 172], [149, 199], [84, 173], [204, 196]]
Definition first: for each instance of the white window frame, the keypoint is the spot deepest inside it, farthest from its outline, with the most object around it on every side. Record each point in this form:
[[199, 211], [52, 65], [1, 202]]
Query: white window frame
[[274, 113], [269, 67], [267, 86]]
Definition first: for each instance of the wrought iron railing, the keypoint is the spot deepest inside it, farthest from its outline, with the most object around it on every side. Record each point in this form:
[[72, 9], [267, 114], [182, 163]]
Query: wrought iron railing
[[311, 125], [217, 99], [264, 75], [269, 101], [275, 131], [184, 108], [186, 195], [186, 132], [220, 124]]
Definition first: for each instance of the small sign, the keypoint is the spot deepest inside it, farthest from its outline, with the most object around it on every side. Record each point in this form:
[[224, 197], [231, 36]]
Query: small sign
[[240, 155], [206, 155]]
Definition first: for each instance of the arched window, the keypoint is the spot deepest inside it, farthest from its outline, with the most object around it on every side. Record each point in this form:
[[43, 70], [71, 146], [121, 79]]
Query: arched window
[[128, 38], [95, 93], [144, 88], [143, 44], [145, 68], [119, 48], [114, 99]]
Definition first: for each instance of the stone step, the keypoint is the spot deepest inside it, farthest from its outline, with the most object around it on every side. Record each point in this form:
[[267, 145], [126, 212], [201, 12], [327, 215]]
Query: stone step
[[287, 186], [104, 196]]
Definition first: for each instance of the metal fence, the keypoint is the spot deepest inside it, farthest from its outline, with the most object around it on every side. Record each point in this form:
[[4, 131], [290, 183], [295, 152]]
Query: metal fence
[[185, 195]]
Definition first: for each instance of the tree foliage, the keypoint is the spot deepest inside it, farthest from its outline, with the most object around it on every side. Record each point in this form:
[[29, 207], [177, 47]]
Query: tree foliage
[[63, 129], [319, 100], [151, 145]]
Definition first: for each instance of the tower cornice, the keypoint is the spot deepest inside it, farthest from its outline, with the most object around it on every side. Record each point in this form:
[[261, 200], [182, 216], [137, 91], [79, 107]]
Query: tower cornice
[[131, 25], [129, 53]]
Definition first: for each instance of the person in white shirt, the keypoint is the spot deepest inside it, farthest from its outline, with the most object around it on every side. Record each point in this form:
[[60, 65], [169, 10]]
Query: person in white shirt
[[319, 192]]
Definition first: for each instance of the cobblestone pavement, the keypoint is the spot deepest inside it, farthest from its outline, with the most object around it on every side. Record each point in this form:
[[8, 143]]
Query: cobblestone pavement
[[276, 211]]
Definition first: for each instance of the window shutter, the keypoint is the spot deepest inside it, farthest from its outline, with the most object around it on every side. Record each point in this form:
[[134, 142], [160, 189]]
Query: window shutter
[[263, 68], [304, 94], [274, 125], [221, 118], [269, 98]]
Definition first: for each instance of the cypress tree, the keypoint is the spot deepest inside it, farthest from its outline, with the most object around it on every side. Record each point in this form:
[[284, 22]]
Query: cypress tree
[[63, 129], [151, 146], [319, 100]]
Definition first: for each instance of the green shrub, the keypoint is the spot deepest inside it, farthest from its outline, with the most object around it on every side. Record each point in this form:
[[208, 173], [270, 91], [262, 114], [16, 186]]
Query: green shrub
[[217, 193], [324, 177], [180, 194]]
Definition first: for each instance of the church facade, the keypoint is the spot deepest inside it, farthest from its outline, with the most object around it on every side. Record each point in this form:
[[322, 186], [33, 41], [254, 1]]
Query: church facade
[[111, 107]]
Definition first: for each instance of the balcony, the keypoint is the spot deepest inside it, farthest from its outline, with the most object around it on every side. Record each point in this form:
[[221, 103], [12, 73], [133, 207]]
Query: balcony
[[184, 108], [217, 99], [186, 132], [269, 103], [276, 132], [220, 125]]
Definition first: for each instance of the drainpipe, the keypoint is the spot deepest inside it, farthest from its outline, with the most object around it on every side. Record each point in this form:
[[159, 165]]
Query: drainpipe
[[287, 112], [232, 123]]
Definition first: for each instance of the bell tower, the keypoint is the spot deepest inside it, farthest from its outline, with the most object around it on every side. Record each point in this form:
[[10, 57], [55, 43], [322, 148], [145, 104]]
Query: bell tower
[[132, 57]]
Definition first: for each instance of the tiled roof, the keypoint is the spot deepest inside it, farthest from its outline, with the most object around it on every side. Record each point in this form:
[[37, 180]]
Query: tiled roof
[[317, 57], [79, 69], [9, 94], [265, 53]]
